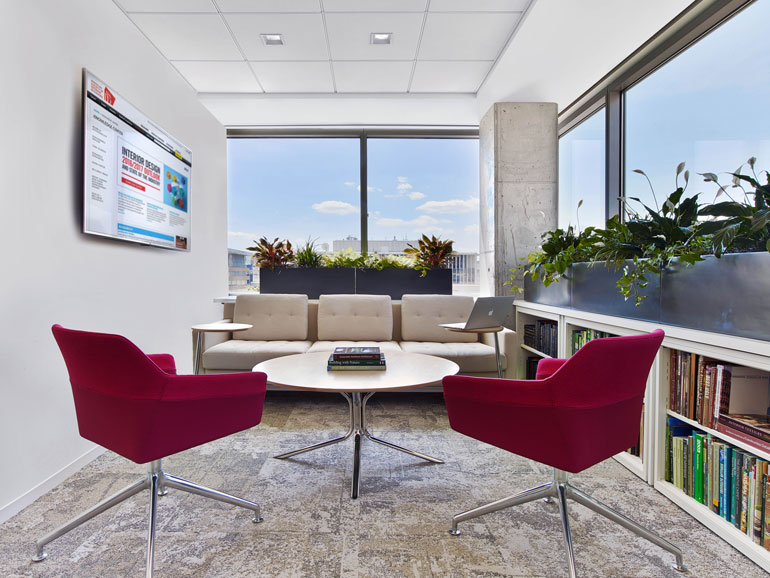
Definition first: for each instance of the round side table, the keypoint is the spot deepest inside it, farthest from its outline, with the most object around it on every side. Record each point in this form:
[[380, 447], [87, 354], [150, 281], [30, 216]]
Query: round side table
[[217, 327]]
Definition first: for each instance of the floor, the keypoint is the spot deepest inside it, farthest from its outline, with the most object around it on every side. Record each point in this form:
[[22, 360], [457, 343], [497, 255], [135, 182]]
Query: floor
[[397, 528]]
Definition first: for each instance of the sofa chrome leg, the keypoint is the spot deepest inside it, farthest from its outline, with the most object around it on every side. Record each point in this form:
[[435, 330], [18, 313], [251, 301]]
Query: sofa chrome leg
[[102, 506], [618, 518], [521, 498], [192, 488], [561, 490]]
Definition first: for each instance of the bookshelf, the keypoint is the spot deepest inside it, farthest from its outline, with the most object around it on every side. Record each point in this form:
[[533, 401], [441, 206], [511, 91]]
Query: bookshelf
[[659, 410]]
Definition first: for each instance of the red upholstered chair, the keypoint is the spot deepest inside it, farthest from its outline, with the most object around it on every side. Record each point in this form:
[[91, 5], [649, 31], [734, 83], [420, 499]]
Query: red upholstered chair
[[575, 414], [135, 405]]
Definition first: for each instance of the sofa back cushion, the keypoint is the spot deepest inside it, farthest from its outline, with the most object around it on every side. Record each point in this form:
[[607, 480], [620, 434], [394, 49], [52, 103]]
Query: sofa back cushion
[[422, 315], [274, 317], [355, 318]]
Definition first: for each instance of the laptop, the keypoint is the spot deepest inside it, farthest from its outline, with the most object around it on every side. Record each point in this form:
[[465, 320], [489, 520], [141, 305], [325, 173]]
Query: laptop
[[486, 312]]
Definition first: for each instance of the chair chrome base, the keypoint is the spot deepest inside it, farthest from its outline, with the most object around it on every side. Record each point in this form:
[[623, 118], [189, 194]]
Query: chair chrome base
[[560, 489], [158, 482], [358, 430]]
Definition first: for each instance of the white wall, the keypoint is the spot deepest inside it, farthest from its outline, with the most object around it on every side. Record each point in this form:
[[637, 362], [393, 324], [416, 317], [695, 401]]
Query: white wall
[[51, 272], [563, 47]]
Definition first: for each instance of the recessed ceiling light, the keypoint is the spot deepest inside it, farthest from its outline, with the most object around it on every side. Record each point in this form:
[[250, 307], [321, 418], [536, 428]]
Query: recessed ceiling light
[[272, 39], [381, 38]]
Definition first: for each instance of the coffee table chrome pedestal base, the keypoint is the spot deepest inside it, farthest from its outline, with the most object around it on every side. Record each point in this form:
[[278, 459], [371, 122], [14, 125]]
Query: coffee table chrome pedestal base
[[358, 430]]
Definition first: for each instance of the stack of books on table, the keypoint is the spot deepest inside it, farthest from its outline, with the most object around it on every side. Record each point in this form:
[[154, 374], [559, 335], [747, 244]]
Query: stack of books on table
[[356, 359]]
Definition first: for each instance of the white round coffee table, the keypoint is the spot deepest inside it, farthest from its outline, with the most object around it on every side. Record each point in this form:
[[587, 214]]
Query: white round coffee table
[[307, 371]]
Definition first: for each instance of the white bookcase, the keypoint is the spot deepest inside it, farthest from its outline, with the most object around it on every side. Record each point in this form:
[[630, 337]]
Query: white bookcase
[[651, 467]]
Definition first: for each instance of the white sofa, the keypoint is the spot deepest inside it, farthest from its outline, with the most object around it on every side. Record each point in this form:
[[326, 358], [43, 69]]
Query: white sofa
[[287, 324]]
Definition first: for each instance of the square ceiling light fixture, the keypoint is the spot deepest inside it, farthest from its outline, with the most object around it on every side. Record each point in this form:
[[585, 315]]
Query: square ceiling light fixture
[[272, 39], [381, 38]]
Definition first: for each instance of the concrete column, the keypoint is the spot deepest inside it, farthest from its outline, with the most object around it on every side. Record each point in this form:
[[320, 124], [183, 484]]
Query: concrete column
[[518, 144]]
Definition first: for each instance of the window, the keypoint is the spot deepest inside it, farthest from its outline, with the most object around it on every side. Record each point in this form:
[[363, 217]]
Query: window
[[706, 107], [309, 188], [426, 186], [581, 174]]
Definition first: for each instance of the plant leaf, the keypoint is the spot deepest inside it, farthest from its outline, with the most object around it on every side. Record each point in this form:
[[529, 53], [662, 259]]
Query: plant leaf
[[679, 168]]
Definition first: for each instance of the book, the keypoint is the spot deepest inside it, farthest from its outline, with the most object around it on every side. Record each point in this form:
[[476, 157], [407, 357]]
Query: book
[[755, 425], [735, 498], [355, 368], [697, 492], [362, 362], [744, 437], [760, 474], [766, 529], [348, 353]]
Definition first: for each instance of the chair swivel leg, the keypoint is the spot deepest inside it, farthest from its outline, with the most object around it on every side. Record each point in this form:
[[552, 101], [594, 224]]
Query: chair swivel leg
[[192, 488], [102, 506], [618, 518], [520, 498], [154, 477], [562, 492]]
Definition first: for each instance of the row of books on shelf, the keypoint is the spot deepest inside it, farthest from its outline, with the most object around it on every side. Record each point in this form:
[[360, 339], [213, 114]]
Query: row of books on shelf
[[356, 359], [582, 336], [704, 389], [731, 482], [543, 335]]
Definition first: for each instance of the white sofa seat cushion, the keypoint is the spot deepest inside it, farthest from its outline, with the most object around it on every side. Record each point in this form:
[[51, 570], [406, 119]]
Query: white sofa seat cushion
[[355, 318], [242, 355], [274, 317], [329, 346], [471, 357], [422, 316]]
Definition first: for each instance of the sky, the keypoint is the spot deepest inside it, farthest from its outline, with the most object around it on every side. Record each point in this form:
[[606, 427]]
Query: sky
[[707, 108], [300, 189]]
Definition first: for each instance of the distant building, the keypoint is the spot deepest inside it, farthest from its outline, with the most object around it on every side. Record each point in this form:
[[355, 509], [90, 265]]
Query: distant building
[[240, 269]]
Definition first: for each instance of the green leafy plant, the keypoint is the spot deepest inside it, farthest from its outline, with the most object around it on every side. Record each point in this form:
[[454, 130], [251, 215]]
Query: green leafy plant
[[380, 262], [739, 225], [345, 258], [272, 254], [308, 255], [430, 253]]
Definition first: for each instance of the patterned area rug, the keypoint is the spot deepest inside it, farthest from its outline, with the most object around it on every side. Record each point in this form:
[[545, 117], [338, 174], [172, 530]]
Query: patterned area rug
[[397, 528]]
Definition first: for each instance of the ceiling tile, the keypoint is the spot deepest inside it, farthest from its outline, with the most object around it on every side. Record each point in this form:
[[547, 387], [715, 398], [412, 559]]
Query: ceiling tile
[[303, 36], [372, 76], [445, 76], [294, 76], [269, 5], [375, 5], [218, 76], [349, 35], [466, 36], [189, 36], [167, 5], [478, 5]]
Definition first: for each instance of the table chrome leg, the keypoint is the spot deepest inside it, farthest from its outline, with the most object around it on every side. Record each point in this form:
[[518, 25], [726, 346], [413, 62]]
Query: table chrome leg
[[497, 357], [390, 445], [198, 356], [328, 443], [357, 425]]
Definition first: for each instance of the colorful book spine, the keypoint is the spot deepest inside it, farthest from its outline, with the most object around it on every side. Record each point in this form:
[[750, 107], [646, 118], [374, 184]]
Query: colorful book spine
[[697, 493]]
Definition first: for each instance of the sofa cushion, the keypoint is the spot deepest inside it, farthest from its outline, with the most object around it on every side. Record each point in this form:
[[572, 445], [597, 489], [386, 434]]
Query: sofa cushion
[[329, 346], [274, 317], [355, 318], [471, 357], [422, 315], [242, 355]]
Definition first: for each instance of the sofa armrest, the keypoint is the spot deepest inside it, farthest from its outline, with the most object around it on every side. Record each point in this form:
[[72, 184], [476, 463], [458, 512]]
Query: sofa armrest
[[507, 341]]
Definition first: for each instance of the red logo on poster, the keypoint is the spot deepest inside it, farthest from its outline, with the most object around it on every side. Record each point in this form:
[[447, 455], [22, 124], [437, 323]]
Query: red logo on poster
[[108, 96]]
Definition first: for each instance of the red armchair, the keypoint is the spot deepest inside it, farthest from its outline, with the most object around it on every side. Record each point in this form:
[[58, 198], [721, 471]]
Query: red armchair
[[135, 405], [575, 414]]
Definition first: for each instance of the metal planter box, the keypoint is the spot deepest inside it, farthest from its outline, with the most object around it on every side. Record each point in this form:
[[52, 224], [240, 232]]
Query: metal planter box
[[311, 282], [397, 282]]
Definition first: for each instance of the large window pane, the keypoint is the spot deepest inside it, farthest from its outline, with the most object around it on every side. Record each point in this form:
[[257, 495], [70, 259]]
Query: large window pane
[[707, 107], [426, 186], [292, 188], [582, 175]]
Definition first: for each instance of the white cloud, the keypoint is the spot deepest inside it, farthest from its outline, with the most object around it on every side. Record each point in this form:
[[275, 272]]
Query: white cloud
[[404, 187], [402, 179], [453, 206], [350, 184], [471, 228], [421, 221], [242, 234], [335, 208], [416, 195]]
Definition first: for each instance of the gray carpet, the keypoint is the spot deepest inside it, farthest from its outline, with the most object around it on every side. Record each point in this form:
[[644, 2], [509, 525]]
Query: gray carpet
[[398, 527]]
